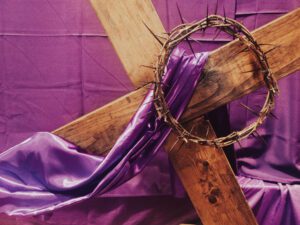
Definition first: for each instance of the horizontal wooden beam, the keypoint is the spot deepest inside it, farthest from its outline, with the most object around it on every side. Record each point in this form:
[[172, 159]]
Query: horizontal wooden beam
[[123, 20], [228, 79], [232, 73], [220, 196]]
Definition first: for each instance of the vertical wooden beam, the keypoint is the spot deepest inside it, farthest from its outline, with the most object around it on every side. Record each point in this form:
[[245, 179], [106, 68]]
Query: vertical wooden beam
[[208, 179], [127, 24]]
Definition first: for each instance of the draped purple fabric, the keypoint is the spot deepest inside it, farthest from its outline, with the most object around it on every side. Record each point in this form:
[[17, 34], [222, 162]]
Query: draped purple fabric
[[56, 64], [45, 173], [272, 203], [277, 158]]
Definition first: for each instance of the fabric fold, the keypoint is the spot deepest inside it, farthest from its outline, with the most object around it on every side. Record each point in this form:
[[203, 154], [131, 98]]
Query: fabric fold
[[45, 172], [272, 203]]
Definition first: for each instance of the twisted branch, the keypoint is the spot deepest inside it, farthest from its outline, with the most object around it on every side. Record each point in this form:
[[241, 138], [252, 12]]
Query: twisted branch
[[236, 30]]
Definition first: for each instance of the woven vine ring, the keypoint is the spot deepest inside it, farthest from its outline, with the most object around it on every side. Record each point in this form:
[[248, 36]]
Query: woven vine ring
[[236, 30]]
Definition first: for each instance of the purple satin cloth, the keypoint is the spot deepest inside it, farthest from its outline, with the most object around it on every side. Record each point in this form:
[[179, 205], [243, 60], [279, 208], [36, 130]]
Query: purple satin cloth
[[277, 158], [272, 203], [56, 64], [45, 173]]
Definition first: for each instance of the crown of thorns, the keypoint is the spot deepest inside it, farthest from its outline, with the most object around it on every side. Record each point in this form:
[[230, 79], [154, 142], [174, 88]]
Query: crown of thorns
[[237, 30]]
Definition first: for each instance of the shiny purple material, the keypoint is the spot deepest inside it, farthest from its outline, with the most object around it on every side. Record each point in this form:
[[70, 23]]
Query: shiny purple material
[[272, 203], [56, 64], [45, 173], [277, 158]]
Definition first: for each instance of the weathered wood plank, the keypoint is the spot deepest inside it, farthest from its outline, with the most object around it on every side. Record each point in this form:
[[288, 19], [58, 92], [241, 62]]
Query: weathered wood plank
[[99, 130], [124, 22], [229, 78], [115, 10], [241, 215], [208, 179]]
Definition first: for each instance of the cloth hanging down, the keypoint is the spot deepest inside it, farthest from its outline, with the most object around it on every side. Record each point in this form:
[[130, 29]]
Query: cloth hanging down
[[45, 172]]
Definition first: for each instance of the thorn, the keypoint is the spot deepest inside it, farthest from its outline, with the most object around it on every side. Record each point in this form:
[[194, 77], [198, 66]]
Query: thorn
[[182, 21], [165, 113], [260, 93], [190, 46], [270, 50], [207, 131], [239, 143], [148, 86], [243, 50], [224, 12], [260, 137], [173, 146], [216, 8], [167, 33], [192, 129], [252, 71], [218, 32], [150, 67], [197, 41], [140, 87], [153, 34], [161, 37], [179, 12], [273, 115], [207, 14], [144, 83], [268, 44], [251, 110]]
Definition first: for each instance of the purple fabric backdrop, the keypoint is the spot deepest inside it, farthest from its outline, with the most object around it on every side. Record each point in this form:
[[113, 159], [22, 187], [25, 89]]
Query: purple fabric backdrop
[[56, 64]]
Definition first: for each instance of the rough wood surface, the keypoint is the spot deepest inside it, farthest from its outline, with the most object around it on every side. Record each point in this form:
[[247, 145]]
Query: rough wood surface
[[208, 179], [217, 195], [126, 23], [232, 73], [98, 130]]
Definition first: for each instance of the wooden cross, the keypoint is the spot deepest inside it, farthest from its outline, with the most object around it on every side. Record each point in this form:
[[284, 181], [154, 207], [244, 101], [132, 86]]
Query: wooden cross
[[203, 170]]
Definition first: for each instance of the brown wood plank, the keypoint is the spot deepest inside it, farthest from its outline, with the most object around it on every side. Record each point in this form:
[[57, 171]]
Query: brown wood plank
[[208, 179], [242, 214], [246, 217], [124, 22], [229, 78], [98, 130]]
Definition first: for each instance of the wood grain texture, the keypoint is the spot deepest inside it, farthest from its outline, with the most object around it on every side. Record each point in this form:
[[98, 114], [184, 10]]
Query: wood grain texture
[[126, 23], [97, 131], [229, 77], [227, 80], [237, 206], [208, 179]]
